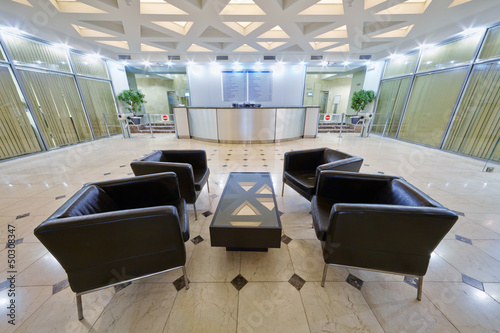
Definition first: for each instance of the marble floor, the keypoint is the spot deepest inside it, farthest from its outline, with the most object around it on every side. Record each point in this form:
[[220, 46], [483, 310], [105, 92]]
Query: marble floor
[[461, 289]]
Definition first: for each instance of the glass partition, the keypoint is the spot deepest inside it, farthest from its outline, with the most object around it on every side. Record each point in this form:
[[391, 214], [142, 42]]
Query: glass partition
[[401, 65], [452, 54], [2, 55], [431, 102], [491, 47], [89, 65], [476, 126], [57, 106], [163, 91], [99, 99], [390, 105], [17, 130], [30, 53]]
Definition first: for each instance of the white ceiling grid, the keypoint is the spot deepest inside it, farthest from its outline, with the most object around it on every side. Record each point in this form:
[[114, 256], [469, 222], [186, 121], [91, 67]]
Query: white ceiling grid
[[293, 30]]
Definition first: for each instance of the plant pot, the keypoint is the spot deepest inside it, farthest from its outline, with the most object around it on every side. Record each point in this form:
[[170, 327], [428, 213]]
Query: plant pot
[[136, 120], [355, 119]]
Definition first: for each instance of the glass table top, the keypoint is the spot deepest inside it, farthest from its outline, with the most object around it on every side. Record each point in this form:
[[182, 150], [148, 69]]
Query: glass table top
[[247, 201]]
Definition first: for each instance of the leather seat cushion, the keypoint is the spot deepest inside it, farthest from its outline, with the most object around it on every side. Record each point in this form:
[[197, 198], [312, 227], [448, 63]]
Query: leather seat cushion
[[320, 211], [304, 179]]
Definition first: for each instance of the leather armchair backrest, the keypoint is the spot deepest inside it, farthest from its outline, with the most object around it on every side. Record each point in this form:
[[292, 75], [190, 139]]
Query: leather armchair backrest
[[89, 200], [308, 159], [197, 158], [331, 155], [101, 249], [345, 188], [145, 193], [401, 193]]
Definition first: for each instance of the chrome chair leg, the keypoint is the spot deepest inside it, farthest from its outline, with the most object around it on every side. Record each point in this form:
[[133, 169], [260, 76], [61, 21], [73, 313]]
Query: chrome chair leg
[[186, 280], [325, 270], [283, 188], [420, 286], [208, 186], [195, 213], [79, 306]]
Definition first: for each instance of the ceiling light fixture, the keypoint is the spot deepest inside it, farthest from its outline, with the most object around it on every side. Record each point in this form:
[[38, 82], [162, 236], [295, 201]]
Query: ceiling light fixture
[[324, 63]]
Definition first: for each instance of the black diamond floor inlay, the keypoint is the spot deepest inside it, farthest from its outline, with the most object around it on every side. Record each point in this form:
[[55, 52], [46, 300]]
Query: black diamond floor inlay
[[472, 282], [107, 173], [213, 196], [60, 286], [412, 281], [22, 216], [18, 241], [245, 165], [179, 283], [225, 165], [297, 281], [122, 166], [367, 165], [4, 285], [239, 282], [463, 239], [197, 240], [122, 286], [285, 239], [459, 213], [207, 213], [382, 173], [60, 197], [130, 173], [280, 213], [354, 281], [265, 165]]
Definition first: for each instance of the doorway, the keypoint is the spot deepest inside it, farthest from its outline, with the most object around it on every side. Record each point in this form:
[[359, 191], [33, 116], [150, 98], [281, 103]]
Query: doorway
[[323, 101], [172, 101]]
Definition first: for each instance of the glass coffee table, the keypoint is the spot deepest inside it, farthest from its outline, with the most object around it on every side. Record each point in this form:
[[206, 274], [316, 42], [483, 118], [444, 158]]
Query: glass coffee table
[[246, 218]]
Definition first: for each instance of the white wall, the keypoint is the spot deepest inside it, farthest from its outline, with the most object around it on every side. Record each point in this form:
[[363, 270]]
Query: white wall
[[205, 84], [118, 76], [373, 76]]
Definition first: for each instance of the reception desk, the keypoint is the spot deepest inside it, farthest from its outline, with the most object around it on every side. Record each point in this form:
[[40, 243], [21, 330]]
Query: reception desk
[[240, 125]]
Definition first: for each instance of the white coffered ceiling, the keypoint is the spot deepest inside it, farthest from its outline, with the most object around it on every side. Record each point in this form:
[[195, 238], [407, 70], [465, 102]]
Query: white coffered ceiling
[[246, 30]]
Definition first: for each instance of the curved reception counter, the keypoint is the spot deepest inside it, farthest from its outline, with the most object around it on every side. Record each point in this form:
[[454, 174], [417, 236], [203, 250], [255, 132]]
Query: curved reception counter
[[241, 125]]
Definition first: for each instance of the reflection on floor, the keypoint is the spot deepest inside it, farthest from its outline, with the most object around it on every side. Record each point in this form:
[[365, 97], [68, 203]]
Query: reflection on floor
[[278, 291]]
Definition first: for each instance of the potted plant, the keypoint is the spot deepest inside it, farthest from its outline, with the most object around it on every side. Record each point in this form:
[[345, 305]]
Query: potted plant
[[360, 99], [133, 100]]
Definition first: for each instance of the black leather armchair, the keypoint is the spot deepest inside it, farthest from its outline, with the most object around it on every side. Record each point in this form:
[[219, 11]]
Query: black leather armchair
[[117, 231], [302, 167], [189, 165], [377, 222]]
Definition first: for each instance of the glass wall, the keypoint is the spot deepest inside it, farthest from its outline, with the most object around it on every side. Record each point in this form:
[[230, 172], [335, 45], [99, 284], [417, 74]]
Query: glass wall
[[456, 53], [432, 99], [43, 108], [432, 115], [391, 101], [401, 65], [476, 125], [57, 106], [491, 47], [35, 54], [99, 100], [89, 65], [17, 131]]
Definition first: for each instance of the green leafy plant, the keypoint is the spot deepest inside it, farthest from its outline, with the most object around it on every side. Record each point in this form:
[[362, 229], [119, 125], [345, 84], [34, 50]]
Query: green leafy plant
[[360, 99], [133, 100]]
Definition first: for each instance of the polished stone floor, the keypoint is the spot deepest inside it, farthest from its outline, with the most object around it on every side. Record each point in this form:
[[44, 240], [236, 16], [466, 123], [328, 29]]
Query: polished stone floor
[[461, 288]]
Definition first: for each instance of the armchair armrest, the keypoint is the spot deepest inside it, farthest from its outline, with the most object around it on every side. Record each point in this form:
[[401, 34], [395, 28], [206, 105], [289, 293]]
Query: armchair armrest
[[306, 159], [91, 247], [150, 190], [351, 186], [351, 164], [197, 158]]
